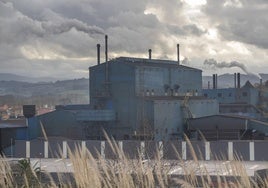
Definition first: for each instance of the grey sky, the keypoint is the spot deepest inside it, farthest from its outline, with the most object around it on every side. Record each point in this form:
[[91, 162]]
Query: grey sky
[[58, 38]]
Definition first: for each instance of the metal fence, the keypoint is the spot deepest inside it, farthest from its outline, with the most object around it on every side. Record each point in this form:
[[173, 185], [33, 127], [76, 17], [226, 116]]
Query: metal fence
[[172, 150]]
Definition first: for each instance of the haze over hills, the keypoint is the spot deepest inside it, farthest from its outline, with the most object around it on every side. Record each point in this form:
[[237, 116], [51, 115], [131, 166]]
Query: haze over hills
[[15, 77], [51, 93]]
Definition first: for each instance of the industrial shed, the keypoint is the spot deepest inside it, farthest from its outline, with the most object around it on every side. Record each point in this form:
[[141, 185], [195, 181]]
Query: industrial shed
[[10, 130], [226, 127]]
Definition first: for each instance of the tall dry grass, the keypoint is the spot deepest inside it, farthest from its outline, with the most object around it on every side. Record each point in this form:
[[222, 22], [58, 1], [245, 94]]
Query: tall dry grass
[[129, 173]]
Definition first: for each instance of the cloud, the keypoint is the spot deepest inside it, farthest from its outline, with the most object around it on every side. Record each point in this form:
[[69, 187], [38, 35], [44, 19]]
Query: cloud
[[240, 20], [45, 36]]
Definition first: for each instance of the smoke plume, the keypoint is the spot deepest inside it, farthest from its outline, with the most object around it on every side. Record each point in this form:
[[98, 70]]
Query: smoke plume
[[185, 61], [67, 25], [223, 64]]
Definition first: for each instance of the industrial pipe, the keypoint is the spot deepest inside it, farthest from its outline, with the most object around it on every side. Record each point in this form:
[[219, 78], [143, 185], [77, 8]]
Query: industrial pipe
[[234, 80], [238, 80], [106, 59], [150, 53], [178, 53], [106, 48], [98, 53], [214, 81]]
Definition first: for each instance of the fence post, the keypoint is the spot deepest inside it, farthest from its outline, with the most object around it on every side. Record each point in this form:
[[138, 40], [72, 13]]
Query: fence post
[[142, 150], [28, 149], [83, 145], [207, 151], [251, 151], [64, 149], [103, 149], [230, 151], [184, 150], [161, 149], [120, 145], [45, 149]]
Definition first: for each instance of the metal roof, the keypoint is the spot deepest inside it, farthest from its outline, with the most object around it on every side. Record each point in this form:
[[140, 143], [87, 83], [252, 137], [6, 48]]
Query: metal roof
[[149, 62], [14, 123], [226, 116], [221, 122]]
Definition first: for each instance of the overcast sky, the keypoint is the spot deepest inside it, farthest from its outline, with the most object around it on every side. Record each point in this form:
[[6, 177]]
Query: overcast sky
[[57, 38]]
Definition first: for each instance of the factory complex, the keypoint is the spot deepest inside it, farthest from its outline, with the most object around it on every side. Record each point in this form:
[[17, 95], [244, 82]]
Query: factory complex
[[152, 99]]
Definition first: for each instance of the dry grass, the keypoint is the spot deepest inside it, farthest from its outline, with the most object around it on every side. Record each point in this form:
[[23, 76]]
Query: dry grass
[[129, 173]]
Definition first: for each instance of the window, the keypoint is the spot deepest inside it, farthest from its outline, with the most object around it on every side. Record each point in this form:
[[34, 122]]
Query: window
[[219, 94], [245, 94], [205, 95], [230, 94]]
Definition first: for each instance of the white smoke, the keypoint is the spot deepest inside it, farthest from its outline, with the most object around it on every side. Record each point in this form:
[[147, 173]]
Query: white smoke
[[223, 64], [54, 23], [63, 26], [185, 61]]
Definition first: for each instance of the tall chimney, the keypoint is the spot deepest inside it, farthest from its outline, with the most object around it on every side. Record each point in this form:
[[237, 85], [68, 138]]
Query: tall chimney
[[106, 60], [150, 53], [178, 53], [234, 80], [238, 80], [106, 48], [98, 53], [214, 81]]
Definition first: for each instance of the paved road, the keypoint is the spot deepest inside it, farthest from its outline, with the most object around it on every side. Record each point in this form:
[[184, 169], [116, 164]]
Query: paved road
[[222, 168]]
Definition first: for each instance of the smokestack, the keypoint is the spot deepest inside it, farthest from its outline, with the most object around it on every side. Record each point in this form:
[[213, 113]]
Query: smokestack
[[106, 59], [98, 53], [178, 53], [150, 53], [214, 81], [106, 48], [234, 80], [238, 80]]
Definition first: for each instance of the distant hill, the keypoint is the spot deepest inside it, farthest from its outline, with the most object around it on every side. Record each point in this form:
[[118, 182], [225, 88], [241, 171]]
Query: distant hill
[[42, 88], [227, 80], [54, 93], [15, 77]]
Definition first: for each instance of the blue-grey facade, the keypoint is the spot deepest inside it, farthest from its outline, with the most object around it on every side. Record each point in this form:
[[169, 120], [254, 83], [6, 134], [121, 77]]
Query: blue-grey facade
[[132, 98], [133, 88], [244, 101], [244, 95]]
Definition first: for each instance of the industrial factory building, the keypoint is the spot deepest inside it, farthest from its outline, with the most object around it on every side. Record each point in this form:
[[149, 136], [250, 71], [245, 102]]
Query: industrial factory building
[[247, 101], [133, 98], [152, 99]]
